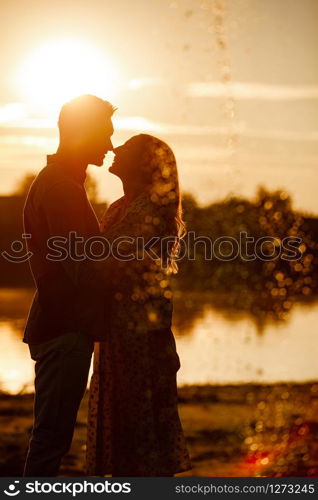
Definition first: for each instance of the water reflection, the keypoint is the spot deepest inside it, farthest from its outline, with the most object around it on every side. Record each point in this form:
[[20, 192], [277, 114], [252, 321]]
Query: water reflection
[[221, 351], [16, 368], [216, 345]]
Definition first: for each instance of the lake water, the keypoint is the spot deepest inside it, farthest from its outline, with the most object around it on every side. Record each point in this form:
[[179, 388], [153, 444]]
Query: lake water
[[215, 349]]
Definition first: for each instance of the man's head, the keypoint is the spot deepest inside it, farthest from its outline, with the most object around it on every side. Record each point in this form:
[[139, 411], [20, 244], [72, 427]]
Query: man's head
[[86, 128]]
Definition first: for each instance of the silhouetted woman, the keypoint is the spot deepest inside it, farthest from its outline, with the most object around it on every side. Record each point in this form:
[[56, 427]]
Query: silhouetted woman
[[133, 423]]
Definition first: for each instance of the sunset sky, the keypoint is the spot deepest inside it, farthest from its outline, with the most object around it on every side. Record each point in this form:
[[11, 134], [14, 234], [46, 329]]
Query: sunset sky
[[231, 85]]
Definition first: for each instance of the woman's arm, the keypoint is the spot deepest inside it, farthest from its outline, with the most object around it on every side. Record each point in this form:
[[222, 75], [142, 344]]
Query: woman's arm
[[134, 243]]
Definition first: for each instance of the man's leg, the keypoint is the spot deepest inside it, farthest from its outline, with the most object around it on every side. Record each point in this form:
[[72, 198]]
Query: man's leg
[[61, 373]]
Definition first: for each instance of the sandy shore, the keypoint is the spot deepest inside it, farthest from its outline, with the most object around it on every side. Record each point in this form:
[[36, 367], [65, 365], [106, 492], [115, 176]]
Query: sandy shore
[[247, 430]]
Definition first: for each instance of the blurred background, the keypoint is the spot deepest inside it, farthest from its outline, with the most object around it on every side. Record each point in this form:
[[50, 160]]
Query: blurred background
[[232, 87]]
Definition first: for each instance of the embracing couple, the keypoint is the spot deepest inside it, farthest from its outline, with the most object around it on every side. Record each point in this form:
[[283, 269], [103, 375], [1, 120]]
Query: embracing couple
[[119, 306]]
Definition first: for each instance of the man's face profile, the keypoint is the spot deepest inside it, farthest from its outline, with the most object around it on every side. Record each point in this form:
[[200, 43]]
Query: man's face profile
[[98, 142]]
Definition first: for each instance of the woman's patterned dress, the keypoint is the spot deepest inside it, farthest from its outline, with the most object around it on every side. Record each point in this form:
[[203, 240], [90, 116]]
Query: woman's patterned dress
[[133, 422]]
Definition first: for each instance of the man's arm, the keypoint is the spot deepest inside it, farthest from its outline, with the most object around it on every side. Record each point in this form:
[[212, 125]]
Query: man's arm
[[65, 207]]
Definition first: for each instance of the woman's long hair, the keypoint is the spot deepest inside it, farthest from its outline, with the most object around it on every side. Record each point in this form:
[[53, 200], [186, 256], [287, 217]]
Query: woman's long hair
[[160, 173]]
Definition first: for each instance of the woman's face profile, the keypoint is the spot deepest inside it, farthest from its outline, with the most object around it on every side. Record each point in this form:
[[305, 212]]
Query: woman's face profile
[[127, 159]]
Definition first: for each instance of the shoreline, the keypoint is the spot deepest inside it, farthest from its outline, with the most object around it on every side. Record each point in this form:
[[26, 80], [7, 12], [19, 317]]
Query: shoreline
[[231, 430]]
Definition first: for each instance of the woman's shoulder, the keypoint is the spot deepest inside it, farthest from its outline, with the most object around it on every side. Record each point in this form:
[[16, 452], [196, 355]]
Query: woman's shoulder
[[116, 203], [141, 202], [110, 214]]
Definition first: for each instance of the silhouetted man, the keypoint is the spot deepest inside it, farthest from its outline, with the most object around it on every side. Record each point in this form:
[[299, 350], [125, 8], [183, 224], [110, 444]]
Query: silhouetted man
[[68, 312]]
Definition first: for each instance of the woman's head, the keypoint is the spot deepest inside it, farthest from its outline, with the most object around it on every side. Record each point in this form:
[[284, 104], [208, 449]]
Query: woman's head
[[147, 164]]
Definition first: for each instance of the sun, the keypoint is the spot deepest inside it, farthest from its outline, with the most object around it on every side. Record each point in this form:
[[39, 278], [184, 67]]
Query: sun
[[63, 68]]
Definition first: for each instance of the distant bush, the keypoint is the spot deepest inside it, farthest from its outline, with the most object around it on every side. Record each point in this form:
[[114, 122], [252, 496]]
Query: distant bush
[[267, 289]]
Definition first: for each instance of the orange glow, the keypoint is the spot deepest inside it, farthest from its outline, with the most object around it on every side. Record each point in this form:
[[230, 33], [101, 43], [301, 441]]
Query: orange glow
[[64, 68]]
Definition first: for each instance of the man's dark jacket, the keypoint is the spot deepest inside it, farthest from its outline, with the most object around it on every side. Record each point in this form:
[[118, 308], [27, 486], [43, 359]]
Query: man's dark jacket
[[71, 296]]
